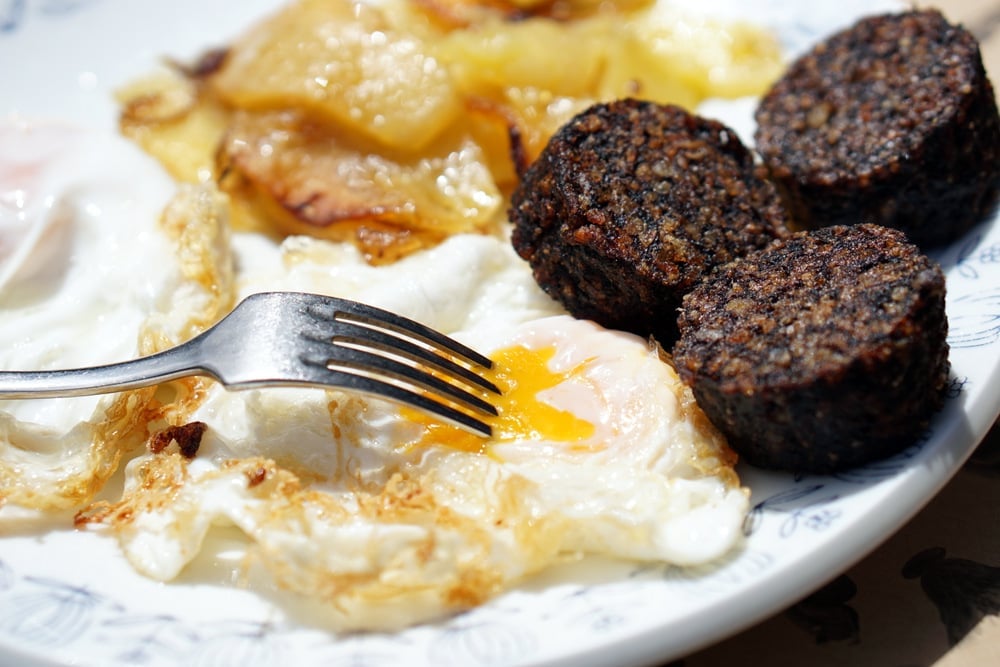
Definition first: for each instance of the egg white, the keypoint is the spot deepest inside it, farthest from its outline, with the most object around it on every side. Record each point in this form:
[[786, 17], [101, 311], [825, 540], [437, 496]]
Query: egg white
[[346, 500], [77, 271], [86, 268]]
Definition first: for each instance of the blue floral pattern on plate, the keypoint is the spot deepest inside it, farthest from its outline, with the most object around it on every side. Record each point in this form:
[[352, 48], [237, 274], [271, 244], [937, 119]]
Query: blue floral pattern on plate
[[16, 13]]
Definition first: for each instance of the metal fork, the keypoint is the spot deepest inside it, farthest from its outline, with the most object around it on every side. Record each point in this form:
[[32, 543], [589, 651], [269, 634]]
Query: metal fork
[[295, 339]]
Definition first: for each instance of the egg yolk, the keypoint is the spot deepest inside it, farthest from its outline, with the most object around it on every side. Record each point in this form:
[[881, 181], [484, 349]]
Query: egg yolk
[[521, 374]]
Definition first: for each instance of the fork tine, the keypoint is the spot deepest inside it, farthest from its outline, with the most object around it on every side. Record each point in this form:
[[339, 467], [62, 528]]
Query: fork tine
[[402, 359], [340, 310], [350, 334], [363, 379], [352, 359]]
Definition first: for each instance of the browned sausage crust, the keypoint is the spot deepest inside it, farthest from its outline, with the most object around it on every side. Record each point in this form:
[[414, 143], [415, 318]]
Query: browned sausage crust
[[891, 121], [630, 204], [824, 351]]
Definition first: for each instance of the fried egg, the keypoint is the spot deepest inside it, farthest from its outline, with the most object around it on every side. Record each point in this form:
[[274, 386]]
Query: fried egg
[[90, 273], [388, 518]]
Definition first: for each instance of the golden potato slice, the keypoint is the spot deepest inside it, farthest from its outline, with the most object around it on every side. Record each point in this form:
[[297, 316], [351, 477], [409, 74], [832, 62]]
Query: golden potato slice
[[314, 179], [168, 117], [470, 13], [466, 13], [674, 58], [342, 60], [563, 58]]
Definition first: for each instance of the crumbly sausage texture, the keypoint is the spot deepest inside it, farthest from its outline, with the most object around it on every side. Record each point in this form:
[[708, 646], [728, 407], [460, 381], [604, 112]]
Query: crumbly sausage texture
[[891, 121], [824, 351], [631, 203]]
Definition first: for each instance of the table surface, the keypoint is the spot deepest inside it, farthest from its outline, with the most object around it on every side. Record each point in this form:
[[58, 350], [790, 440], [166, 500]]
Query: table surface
[[931, 594]]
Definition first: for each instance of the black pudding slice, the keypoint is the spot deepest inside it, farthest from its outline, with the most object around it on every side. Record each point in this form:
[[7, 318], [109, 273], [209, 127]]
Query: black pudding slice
[[892, 121], [824, 351], [631, 203]]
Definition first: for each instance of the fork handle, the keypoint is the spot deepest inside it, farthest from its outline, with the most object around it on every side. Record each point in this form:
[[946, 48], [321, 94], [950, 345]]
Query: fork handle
[[168, 365]]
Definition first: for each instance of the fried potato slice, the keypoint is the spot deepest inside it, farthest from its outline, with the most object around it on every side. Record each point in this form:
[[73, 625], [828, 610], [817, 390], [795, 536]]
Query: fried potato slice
[[169, 117], [669, 57], [342, 61], [562, 58], [465, 13], [318, 179]]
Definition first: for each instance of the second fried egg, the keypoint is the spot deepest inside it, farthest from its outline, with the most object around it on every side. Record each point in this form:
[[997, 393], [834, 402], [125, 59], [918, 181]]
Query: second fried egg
[[389, 518]]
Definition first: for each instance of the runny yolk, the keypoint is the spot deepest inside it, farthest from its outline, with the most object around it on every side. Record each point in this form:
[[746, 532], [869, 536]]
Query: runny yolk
[[521, 374]]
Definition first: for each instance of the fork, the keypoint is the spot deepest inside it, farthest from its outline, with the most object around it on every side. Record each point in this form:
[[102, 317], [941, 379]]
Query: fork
[[297, 339]]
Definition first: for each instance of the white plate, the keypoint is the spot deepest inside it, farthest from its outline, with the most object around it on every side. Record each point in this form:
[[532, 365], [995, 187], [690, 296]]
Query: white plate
[[69, 598]]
